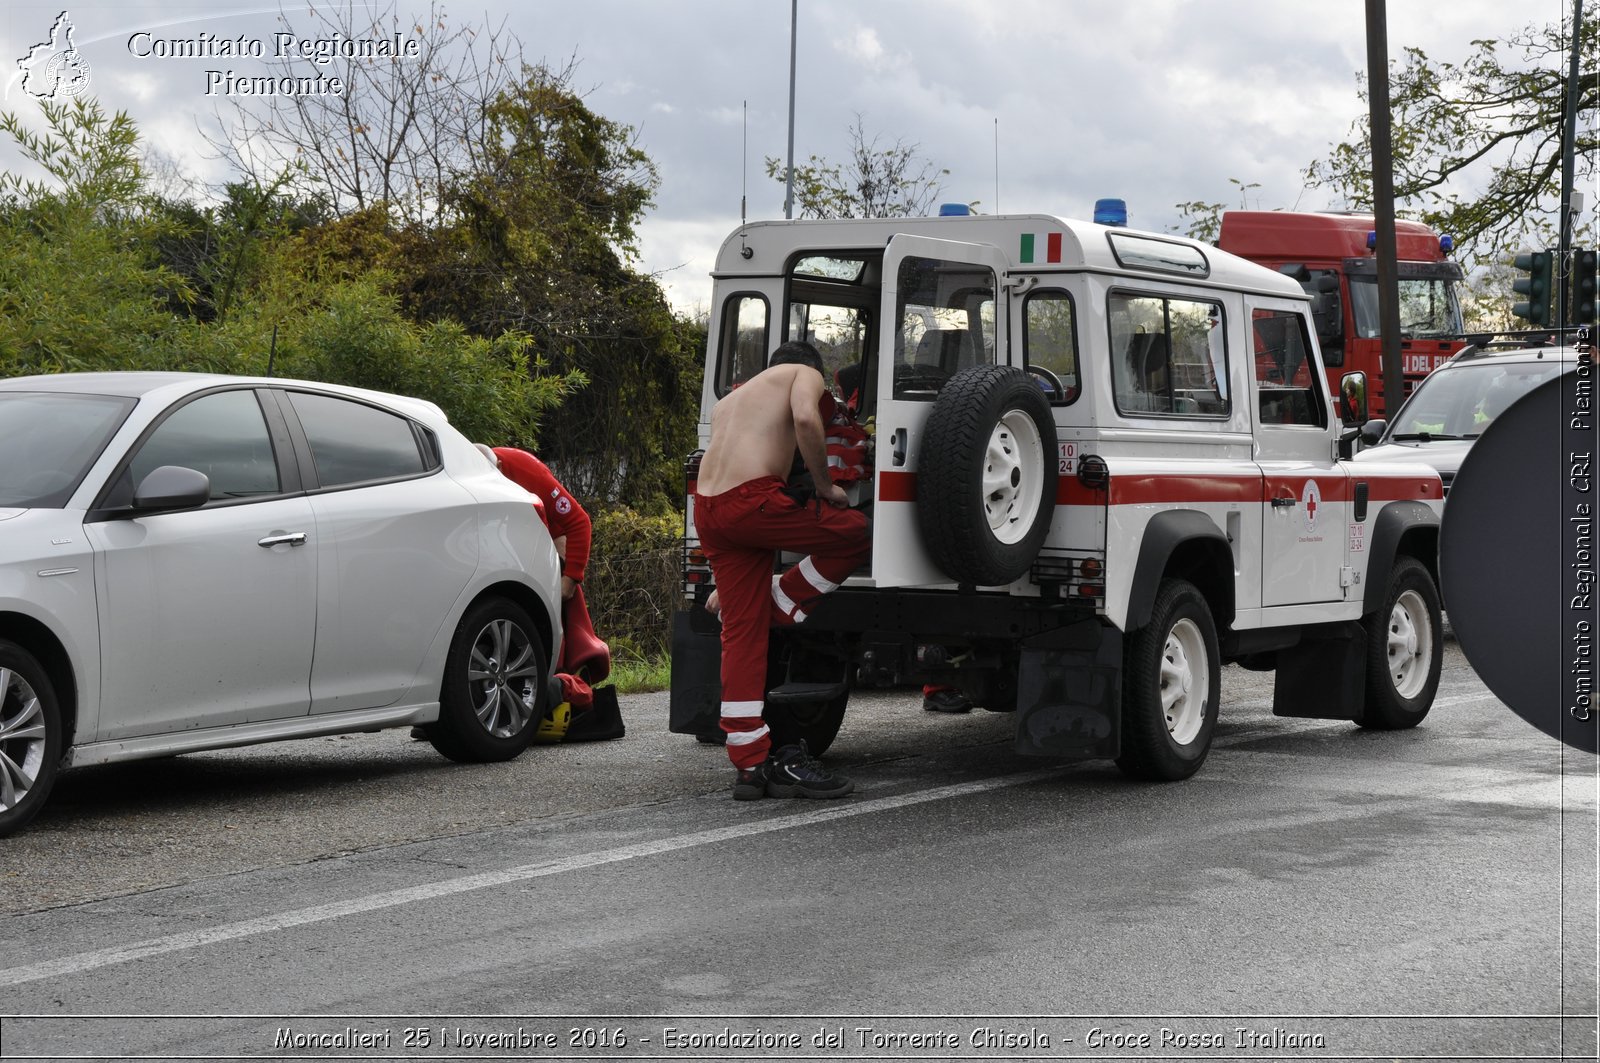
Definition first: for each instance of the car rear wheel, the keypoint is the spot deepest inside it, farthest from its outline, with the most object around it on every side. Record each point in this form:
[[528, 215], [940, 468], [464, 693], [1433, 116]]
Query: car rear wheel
[[1171, 683], [30, 737], [494, 685]]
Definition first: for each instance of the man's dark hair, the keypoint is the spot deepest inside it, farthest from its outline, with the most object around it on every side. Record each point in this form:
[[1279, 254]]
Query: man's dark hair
[[796, 352]]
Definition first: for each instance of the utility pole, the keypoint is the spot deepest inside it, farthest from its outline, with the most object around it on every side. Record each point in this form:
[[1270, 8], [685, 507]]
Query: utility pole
[[1383, 204], [1569, 134], [788, 172]]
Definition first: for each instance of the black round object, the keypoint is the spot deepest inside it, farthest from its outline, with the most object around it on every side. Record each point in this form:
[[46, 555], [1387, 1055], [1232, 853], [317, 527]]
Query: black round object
[[1517, 558], [986, 475]]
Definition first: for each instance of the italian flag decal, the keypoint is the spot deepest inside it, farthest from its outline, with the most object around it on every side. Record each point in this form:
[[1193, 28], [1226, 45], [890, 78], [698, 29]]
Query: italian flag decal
[[1030, 250]]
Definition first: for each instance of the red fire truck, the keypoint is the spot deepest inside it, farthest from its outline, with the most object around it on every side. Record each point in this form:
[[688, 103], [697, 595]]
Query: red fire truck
[[1334, 258]]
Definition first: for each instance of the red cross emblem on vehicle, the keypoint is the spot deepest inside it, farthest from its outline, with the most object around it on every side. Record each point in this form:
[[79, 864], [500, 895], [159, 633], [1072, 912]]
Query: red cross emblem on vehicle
[[1311, 499]]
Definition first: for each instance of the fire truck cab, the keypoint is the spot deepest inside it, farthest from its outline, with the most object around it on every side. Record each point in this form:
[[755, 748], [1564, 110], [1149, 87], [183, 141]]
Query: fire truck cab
[[1333, 258], [1102, 463]]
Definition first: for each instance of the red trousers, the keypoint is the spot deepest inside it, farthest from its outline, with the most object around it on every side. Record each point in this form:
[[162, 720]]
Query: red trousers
[[740, 531]]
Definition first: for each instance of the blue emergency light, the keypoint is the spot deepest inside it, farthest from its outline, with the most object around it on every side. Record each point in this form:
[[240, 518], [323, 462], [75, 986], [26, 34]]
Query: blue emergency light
[[1110, 212], [1447, 243], [954, 210]]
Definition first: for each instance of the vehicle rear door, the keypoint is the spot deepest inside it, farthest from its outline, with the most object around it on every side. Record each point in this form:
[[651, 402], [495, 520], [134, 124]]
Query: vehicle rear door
[[942, 312]]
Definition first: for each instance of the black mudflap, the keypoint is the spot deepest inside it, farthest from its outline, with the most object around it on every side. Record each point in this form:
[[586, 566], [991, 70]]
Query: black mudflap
[[696, 675], [1069, 693], [1323, 676]]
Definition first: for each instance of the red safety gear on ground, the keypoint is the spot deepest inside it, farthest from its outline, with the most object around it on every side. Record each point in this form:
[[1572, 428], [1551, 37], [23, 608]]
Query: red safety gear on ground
[[740, 530], [563, 515]]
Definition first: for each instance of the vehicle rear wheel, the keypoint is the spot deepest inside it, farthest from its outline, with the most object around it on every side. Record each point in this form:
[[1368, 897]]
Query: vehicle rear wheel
[[987, 475], [494, 685], [1171, 685], [30, 737], [815, 724], [1404, 650]]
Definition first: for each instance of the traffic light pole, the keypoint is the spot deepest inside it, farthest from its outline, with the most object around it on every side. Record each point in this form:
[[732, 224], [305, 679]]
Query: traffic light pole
[[1565, 266], [1383, 203]]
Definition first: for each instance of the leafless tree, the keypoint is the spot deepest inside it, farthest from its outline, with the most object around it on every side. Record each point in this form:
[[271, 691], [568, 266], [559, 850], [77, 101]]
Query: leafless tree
[[404, 122]]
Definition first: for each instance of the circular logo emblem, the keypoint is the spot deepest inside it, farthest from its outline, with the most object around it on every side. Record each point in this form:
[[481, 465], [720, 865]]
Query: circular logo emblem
[[67, 72], [563, 504], [1310, 502]]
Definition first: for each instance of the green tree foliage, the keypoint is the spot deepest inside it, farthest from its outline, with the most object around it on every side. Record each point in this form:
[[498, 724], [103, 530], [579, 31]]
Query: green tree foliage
[[81, 286], [877, 181], [81, 289], [1477, 143]]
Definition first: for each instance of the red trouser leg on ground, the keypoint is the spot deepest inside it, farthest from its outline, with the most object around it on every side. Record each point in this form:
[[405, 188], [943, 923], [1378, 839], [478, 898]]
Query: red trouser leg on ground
[[740, 530]]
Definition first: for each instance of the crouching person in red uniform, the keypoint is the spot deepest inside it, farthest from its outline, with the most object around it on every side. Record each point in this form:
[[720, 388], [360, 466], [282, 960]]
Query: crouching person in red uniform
[[744, 516]]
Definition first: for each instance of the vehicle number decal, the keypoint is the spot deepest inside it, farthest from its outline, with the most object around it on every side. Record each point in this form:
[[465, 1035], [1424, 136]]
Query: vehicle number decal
[[1358, 538], [1067, 464]]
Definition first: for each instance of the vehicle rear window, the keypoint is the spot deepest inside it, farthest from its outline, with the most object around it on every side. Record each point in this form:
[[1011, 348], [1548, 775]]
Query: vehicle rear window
[[49, 440], [352, 442]]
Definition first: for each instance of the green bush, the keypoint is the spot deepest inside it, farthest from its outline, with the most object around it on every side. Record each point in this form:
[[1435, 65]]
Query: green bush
[[632, 583]]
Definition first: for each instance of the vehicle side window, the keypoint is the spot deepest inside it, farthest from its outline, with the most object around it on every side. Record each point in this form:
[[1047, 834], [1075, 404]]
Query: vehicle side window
[[1286, 384], [353, 443], [1168, 356], [945, 324], [744, 340], [1050, 343], [222, 435]]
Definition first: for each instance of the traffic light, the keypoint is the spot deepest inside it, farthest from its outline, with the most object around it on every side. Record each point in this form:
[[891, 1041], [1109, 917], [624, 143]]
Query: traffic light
[[1540, 266], [1581, 302]]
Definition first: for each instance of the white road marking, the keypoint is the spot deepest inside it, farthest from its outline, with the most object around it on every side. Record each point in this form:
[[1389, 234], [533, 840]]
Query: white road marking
[[267, 924]]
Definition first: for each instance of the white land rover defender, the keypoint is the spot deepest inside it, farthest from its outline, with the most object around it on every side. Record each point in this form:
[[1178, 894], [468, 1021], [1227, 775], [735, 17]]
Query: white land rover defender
[[1103, 463]]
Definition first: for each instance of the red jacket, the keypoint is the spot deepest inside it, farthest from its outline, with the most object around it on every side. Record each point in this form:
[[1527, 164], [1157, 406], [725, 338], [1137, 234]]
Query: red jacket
[[562, 511]]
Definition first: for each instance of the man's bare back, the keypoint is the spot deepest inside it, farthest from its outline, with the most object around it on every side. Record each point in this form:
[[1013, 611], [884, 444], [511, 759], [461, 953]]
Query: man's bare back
[[756, 428]]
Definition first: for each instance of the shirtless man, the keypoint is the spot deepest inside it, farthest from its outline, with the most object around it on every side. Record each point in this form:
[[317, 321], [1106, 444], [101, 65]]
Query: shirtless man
[[744, 516]]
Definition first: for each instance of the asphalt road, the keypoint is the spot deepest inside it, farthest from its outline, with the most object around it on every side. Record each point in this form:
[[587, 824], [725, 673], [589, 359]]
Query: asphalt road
[[1315, 891]]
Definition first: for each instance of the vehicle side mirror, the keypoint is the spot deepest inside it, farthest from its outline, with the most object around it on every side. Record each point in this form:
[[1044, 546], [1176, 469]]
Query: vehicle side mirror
[[171, 487], [1353, 398], [1373, 431]]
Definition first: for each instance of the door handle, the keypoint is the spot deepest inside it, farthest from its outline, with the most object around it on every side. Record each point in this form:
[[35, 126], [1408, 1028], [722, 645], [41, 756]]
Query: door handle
[[291, 538], [1281, 502], [898, 442]]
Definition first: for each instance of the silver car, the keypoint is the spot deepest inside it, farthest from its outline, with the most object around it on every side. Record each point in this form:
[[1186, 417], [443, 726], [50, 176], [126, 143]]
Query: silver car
[[1453, 405], [189, 562]]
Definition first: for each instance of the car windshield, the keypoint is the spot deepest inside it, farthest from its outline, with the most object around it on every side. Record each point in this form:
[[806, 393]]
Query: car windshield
[[1428, 307], [1460, 402], [49, 440]]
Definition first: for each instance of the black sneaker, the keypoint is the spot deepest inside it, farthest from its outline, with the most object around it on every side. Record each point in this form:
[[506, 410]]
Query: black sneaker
[[794, 772], [947, 700], [751, 783]]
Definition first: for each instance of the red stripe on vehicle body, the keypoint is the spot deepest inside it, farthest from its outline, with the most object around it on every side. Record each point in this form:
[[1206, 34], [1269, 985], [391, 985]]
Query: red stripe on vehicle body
[[1135, 490]]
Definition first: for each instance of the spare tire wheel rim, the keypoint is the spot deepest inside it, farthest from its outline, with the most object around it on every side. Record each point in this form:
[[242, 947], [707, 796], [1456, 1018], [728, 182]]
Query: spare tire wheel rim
[[1013, 476]]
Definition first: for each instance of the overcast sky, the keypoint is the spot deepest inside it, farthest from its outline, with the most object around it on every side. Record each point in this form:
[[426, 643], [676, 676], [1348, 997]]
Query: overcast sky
[[1155, 101]]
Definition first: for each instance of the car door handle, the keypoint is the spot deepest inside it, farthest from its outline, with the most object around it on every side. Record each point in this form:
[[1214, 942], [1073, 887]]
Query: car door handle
[[1279, 502], [291, 538]]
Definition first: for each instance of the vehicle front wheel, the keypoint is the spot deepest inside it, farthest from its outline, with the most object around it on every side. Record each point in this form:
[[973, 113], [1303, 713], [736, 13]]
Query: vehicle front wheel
[[494, 685], [30, 737], [1404, 650], [1171, 685]]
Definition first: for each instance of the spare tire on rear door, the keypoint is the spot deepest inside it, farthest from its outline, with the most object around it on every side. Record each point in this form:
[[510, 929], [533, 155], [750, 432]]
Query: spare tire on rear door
[[986, 475]]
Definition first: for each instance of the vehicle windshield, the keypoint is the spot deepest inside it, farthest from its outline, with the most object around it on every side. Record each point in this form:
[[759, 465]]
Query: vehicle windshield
[[1428, 307], [49, 440], [1460, 402]]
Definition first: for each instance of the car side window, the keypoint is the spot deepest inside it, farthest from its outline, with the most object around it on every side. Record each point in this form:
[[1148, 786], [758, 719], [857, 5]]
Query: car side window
[[352, 442], [1168, 356], [1285, 382], [222, 435]]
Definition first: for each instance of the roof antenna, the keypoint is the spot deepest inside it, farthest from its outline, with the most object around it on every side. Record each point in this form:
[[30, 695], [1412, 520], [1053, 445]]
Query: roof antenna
[[997, 165], [744, 181]]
